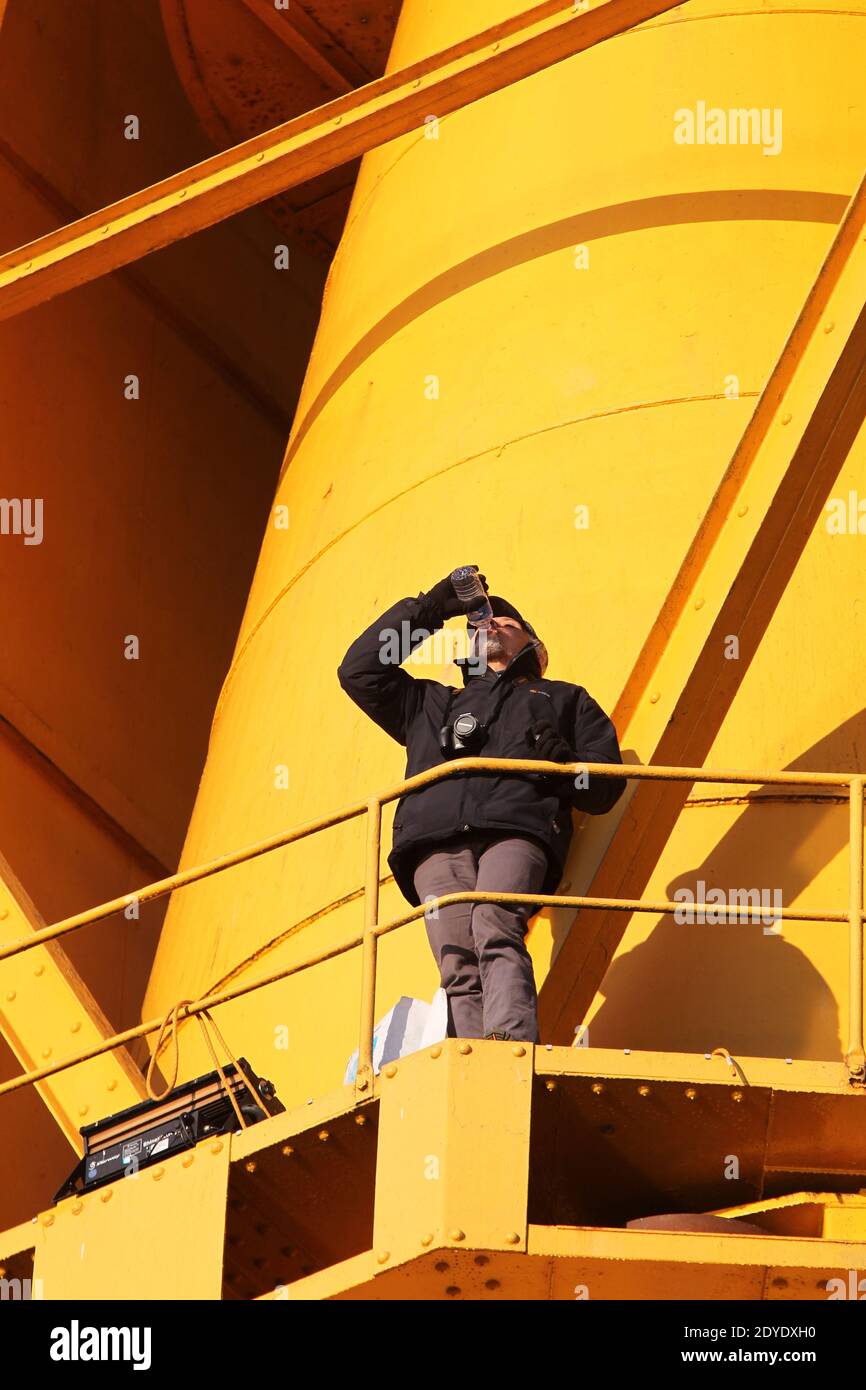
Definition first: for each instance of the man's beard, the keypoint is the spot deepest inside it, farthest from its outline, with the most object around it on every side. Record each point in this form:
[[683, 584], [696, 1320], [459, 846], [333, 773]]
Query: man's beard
[[489, 646]]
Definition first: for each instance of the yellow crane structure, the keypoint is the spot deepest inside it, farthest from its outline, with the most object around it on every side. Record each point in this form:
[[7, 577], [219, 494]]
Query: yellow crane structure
[[575, 292]]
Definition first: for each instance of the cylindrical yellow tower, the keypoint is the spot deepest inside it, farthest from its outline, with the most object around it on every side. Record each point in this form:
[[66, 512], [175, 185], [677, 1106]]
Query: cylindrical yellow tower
[[545, 329]]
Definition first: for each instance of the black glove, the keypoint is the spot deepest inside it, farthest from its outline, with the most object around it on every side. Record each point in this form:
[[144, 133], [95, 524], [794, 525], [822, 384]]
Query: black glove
[[445, 596], [549, 745]]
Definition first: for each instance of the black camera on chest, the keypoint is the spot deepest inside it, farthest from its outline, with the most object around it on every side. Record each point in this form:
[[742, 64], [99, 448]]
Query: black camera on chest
[[464, 735]]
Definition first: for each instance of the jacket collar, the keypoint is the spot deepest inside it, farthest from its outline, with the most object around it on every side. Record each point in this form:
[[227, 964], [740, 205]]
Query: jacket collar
[[524, 663]]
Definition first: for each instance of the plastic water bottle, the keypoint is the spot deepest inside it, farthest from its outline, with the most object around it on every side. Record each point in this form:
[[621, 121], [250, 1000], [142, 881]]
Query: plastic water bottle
[[470, 591]]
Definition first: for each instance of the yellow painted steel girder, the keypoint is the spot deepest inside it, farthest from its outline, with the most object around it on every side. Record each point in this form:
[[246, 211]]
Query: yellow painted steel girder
[[47, 1013], [575, 1263], [824, 1215], [442, 1162], [312, 44], [122, 1240], [730, 582], [310, 145]]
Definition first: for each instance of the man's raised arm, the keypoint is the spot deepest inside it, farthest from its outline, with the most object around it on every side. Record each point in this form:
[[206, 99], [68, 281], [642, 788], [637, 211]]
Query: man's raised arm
[[370, 671]]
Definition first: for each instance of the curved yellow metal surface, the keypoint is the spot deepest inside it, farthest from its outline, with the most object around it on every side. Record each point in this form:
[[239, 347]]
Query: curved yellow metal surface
[[544, 332]]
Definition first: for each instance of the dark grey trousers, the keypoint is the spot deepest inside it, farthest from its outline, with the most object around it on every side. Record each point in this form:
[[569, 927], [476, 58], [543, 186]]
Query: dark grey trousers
[[484, 966]]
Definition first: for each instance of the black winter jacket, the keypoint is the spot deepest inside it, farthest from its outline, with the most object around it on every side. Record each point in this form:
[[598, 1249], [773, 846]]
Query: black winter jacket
[[413, 711]]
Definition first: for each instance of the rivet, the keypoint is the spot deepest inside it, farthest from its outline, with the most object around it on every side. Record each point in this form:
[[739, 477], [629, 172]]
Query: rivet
[[48, 1219], [786, 418], [105, 230], [427, 1239], [597, 1088], [4, 913], [260, 156], [512, 1238], [494, 48], [441, 1266], [83, 1109], [186, 1161], [789, 1061], [643, 1090], [551, 1085], [457, 1234], [690, 1093], [453, 1291], [250, 1165], [707, 1056], [655, 697], [106, 1195], [11, 995], [417, 82], [324, 1135], [158, 1173], [829, 326], [699, 603], [75, 1027], [741, 511], [482, 1259], [383, 1256], [77, 1208], [40, 970], [549, 1047], [390, 1070], [436, 1052], [491, 1283], [362, 1084], [464, 1048], [112, 1085], [182, 193], [736, 1095], [337, 120], [46, 1052], [519, 1051], [217, 1146], [287, 1151], [626, 1052], [360, 1119]]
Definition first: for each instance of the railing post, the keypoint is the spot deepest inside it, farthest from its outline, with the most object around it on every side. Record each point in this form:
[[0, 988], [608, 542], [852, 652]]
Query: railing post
[[855, 1059], [364, 1077]]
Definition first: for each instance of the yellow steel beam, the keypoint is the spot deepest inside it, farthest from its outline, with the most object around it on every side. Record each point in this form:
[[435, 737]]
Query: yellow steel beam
[[47, 1013], [453, 1160], [825, 1215], [310, 145], [730, 582], [121, 1242], [568, 1263], [306, 38], [452, 1131]]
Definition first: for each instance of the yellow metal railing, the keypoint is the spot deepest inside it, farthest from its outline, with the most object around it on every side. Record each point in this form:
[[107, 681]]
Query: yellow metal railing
[[373, 929]]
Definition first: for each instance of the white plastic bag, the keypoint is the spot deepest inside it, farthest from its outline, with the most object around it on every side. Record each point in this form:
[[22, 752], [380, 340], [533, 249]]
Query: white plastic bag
[[409, 1026]]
